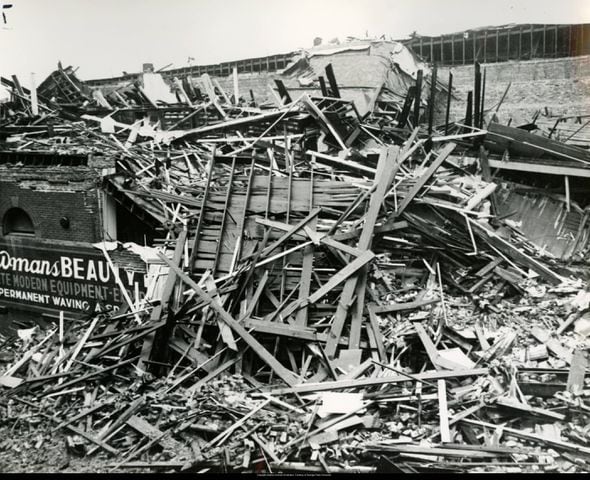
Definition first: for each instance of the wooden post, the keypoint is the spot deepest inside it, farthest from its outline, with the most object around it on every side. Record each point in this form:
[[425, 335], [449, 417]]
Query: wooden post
[[432, 98], [416, 118], [431, 49], [575, 379], [544, 39], [34, 102], [463, 49], [236, 87], [195, 245], [323, 86], [332, 81], [469, 112], [449, 95], [486, 174], [567, 193], [483, 96], [403, 115], [445, 434], [477, 94]]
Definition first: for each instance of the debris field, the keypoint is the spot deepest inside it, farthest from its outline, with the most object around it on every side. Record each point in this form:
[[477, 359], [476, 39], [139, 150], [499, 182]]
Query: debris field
[[332, 293]]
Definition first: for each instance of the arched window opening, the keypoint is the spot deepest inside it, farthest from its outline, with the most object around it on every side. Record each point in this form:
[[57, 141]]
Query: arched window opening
[[17, 222]]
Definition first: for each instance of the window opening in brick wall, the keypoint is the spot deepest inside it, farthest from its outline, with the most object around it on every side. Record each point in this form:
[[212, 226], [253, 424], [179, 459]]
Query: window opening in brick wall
[[17, 222]]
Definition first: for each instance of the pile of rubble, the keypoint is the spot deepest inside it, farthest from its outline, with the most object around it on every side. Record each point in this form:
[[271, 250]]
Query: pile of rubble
[[334, 293]]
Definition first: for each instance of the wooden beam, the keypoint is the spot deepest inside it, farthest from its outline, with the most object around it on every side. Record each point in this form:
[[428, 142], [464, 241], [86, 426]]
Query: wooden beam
[[449, 96], [511, 251], [283, 92], [443, 412], [386, 168], [469, 111], [540, 168], [374, 325], [402, 118], [332, 81], [575, 378], [316, 112], [486, 175], [342, 275], [323, 88], [416, 118], [520, 142], [477, 95], [224, 214], [307, 264], [370, 382], [431, 103], [567, 192], [531, 437], [195, 245], [399, 307], [271, 248]]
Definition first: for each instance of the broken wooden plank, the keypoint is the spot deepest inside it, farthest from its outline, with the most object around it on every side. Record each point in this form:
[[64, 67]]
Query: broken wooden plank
[[420, 182], [553, 344], [443, 412], [532, 437], [387, 167], [339, 385], [151, 432], [399, 307], [575, 378], [535, 411], [10, 381], [374, 325], [282, 372], [511, 251]]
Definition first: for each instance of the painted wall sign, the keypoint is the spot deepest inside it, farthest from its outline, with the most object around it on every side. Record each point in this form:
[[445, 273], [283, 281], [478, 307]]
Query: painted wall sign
[[73, 278]]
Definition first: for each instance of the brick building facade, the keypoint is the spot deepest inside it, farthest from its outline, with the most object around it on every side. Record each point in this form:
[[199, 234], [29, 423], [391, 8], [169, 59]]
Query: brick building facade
[[61, 196]]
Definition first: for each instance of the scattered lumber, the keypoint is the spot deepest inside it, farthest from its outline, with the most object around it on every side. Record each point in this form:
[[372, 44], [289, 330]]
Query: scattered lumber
[[334, 293]]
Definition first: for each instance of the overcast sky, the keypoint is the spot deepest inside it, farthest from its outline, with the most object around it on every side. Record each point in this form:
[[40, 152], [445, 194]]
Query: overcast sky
[[105, 37]]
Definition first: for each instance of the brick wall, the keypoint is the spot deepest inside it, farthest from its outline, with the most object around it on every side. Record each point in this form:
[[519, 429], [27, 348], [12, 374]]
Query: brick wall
[[562, 86], [49, 193], [47, 207]]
